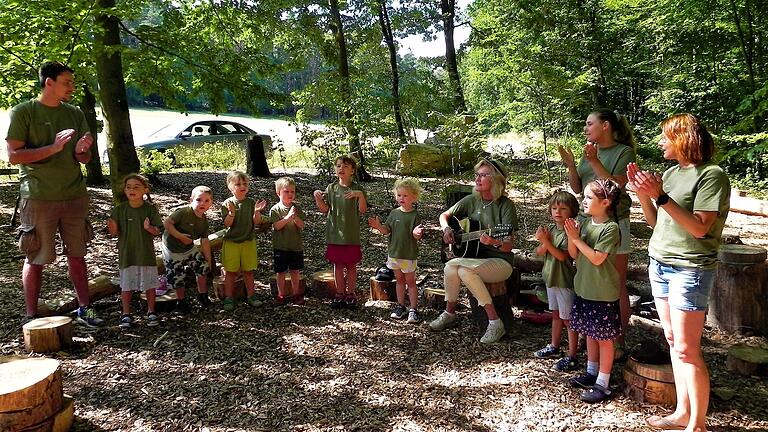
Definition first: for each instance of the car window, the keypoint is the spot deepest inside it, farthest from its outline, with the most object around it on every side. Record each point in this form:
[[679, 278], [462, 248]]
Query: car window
[[229, 128], [200, 129]]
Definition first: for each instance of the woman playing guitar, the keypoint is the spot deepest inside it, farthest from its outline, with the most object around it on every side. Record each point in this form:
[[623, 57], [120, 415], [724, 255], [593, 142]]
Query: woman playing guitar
[[489, 207]]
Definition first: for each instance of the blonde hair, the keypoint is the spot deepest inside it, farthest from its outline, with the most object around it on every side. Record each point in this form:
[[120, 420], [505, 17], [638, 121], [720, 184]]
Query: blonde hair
[[234, 176], [499, 176], [199, 190], [284, 182], [409, 183]]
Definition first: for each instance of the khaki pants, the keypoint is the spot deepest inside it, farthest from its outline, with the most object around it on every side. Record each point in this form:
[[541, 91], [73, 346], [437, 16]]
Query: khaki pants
[[474, 272]]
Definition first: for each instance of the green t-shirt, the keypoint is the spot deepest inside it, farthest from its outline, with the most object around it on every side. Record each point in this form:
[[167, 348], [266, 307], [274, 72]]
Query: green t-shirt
[[500, 211], [343, 227], [288, 238], [615, 160], [402, 245], [57, 177], [558, 274], [186, 222], [598, 283], [701, 188], [134, 244], [241, 229]]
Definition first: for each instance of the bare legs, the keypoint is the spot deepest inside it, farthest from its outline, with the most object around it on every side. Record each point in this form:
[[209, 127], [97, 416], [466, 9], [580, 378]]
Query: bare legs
[[683, 331], [622, 263]]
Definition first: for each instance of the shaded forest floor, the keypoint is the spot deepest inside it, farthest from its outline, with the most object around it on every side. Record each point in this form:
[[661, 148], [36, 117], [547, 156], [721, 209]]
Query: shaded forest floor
[[310, 368]]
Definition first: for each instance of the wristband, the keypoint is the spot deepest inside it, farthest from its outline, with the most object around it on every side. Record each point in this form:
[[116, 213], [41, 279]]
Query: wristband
[[662, 199]]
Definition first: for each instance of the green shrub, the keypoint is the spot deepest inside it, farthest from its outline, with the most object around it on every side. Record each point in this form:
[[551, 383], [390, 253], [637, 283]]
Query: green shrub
[[211, 156], [154, 162]]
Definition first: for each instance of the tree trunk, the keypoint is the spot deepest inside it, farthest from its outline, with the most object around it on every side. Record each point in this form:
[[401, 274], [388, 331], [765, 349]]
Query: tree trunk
[[114, 102], [257, 158], [337, 28], [94, 176], [448, 10], [389, 39]]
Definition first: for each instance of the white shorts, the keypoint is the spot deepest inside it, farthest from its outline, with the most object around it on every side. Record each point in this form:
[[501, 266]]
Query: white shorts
[[138, 278], [561, 300], [404, 265]]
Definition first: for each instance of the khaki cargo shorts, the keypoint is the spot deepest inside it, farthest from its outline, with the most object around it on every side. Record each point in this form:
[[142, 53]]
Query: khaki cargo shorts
[[41, 219]]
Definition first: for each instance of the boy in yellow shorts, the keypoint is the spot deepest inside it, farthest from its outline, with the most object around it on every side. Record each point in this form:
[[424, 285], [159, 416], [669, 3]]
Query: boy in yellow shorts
[[239, 253]]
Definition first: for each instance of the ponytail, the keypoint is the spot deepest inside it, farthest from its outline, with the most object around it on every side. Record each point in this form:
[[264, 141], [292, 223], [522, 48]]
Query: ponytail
[[622, 131]]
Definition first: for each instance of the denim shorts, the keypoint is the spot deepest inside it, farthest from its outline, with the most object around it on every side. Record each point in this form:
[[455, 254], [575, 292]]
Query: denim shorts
[[686, 289]]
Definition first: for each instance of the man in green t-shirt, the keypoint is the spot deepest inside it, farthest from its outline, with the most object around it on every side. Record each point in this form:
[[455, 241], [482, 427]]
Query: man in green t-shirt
[[49, 139]]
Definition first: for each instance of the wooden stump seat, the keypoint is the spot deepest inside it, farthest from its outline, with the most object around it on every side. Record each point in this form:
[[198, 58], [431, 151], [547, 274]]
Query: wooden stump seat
[[323, 284], [238, 291], [163, 303], [434, 298], [383, 290], [31, 392], [288, 286], [49, 334], [500, 300], [650, 383]]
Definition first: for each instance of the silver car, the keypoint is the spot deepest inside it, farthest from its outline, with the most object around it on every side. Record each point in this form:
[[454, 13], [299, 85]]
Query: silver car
[[195, 134]]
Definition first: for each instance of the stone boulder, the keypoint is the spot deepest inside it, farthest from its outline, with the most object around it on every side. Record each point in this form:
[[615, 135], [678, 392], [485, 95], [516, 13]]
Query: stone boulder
[[415, 159]]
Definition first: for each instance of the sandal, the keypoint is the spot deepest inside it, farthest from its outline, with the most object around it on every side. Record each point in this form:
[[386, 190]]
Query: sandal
[[659, 422]]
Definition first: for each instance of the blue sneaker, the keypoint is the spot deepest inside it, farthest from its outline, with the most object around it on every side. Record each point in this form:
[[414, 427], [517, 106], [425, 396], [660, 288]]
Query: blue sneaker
[[584, 381], [595, 394], [87, 315]]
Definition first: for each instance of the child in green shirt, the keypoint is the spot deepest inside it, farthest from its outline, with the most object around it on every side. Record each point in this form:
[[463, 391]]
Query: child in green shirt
[[404, 230], [136, 222], [288, 249]]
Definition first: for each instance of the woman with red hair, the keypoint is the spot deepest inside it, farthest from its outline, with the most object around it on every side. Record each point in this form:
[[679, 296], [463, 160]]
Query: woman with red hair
[[687, 207]]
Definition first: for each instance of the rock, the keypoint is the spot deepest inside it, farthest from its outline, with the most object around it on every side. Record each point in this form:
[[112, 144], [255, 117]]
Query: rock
[[421, 158]]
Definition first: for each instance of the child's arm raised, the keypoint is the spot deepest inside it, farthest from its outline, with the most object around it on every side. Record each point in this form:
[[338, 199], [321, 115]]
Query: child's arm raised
[[418, 231], [229, 218], [260, 205], [375, 223], [170, 226], [572, 231], [362, 203], [292, 216], [547, 247], [112, 227], [148, 227], [320, 201], [596, 257]]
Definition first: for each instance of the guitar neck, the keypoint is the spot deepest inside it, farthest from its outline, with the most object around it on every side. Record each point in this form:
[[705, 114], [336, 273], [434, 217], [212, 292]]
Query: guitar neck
[[474, 235]]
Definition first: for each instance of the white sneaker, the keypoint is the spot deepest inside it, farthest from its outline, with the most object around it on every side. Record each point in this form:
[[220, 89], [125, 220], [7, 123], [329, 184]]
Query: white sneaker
[[413, 317], [444, 321], [494, 332]]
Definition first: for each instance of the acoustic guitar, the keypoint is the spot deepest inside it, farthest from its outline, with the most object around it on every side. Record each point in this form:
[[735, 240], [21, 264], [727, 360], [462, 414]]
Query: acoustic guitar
[[466, 244]]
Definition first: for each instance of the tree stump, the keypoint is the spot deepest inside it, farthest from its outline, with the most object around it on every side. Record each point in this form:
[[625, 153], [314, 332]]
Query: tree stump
[[98, 288], [383, 290], [748, 360], [434, 298], [650, 383], [288, 286], [30, 392], [44, 335], [323, 284], [739, 301], [500, 299], [59, 422], [163, 303], [238, 291]]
